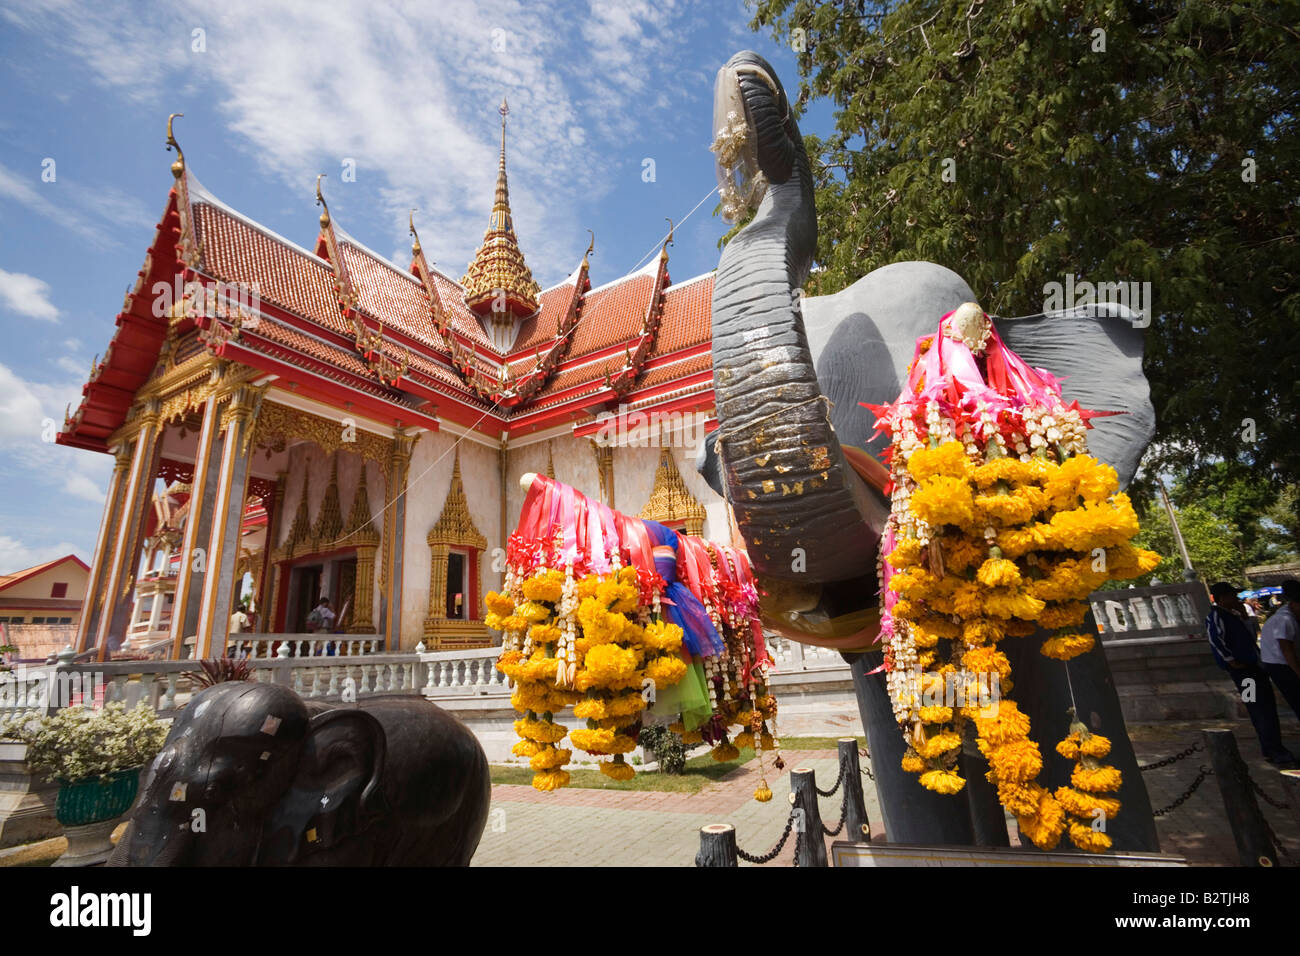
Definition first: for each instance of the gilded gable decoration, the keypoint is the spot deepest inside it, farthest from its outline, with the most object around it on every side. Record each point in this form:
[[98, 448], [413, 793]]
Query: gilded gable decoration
[[670, 500]]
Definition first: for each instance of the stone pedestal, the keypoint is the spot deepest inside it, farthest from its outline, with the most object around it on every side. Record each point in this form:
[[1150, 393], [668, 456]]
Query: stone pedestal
[[90, 845], [26, 802]]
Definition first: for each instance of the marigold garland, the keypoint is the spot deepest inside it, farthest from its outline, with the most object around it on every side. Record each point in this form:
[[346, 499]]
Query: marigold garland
[[588, 630], [1001, 524]]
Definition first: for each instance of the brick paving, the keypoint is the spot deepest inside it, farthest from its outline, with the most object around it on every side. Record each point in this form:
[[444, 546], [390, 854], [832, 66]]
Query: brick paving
[[577, 827]]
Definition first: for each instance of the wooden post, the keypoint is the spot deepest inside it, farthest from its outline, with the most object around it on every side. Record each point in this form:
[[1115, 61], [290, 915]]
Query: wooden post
[[1254, 846], [717, 845], [856, 825], [1291, 783], [811, 849]]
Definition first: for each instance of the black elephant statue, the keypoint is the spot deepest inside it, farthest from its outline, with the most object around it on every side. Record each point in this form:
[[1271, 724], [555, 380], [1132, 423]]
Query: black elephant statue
[[253, 775], [791, 451]]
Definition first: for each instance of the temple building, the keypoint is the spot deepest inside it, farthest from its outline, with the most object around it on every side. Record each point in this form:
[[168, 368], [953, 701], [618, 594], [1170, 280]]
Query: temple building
[[294, 422]]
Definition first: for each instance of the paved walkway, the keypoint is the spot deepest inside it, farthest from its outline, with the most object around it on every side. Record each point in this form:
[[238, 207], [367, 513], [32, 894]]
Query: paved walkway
[[575, 827]]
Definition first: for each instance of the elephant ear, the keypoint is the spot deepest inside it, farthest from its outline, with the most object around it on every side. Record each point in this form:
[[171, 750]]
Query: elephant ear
[[1096, 353], [337, 791]]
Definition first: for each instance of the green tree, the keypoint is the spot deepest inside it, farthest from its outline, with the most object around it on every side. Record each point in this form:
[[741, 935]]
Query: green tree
[[1021, 141], [1246, 504], [1209, 543]]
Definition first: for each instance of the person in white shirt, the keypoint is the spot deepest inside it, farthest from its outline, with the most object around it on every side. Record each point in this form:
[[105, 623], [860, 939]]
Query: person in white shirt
[[239, 621], [1277, 645]]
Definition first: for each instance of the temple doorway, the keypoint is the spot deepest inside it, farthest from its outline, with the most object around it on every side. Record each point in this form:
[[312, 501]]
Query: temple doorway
[[306, 593]]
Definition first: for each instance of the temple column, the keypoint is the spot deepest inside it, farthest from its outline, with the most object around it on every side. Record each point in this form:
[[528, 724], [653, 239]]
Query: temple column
[[363, 602], [198, 525], [437, 592], [119, 582], [390, 602], [155, 610], [217, 596], [95, 594], [265, 583], [502, 463]]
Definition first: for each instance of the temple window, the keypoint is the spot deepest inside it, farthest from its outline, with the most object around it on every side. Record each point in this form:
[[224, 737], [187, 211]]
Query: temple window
[[457, 585]]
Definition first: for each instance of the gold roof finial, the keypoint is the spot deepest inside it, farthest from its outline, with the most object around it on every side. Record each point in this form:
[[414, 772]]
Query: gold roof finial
[[591, 246], [178, 167], [320, 201], [499, 272], [415, 246], [669, 241]]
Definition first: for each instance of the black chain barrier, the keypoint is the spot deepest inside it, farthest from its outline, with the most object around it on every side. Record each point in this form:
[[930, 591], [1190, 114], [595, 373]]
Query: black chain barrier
[[770, 855], [1200, 779], [838, 780], [1182, 755], [844, 813], [1243, 774], [866, 769]]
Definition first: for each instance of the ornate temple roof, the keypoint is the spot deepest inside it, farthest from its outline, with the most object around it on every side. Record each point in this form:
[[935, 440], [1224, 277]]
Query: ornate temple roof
[[343, 324], [498, 280]]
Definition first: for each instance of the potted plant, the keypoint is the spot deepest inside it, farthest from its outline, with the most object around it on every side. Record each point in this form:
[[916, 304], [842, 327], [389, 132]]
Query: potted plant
[[95, 757]]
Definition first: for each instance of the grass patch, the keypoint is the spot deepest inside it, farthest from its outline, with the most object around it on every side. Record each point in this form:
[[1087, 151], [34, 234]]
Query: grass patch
[[700, 770], [816, 743]]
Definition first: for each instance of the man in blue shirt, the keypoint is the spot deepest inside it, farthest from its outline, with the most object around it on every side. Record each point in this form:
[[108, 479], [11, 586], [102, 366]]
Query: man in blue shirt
[[1232, 641]]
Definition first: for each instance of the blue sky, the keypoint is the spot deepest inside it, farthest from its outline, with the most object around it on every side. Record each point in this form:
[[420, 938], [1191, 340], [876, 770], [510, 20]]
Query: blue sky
[[277, 91]]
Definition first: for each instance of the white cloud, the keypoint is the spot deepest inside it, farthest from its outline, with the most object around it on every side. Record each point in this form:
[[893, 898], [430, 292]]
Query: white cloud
[[408, 90], [17, 556], [31, 411], [22, 190], [27, 295], [72, 366]]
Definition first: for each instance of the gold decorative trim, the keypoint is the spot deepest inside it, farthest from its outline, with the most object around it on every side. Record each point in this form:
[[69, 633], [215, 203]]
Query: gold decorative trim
[[670, 500], [279, 425], [455, 526]]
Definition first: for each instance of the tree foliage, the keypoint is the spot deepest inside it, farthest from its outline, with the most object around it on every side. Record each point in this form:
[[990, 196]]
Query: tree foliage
[[1021, 141]]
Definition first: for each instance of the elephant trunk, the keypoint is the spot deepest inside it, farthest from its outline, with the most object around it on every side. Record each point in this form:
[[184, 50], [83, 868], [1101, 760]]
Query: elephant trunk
[[800, 508], [151, 843]]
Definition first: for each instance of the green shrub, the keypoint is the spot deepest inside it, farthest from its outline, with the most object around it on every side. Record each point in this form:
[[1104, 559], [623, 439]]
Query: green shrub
[[667, 748]]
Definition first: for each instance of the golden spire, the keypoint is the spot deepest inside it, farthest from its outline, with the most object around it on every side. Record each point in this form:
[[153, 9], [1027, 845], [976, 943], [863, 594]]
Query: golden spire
[[320, 201], [498, 282], [415, 244], [178, 167]]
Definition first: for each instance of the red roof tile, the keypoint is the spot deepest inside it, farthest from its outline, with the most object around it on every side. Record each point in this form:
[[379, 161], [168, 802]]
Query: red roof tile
[[395, 297], [234, 251], [687, 319], [612, 315]]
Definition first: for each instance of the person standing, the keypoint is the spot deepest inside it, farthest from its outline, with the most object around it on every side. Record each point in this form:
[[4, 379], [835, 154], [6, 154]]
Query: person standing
[[1277, 650], [1232, 641], [321, 618]]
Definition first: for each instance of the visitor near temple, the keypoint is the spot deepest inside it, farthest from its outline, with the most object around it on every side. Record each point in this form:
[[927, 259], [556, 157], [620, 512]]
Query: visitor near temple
[[1277, 650], [1232, 641]]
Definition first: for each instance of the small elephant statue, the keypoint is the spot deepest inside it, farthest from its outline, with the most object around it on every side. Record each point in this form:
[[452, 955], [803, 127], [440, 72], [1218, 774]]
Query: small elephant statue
[[253, 775]]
